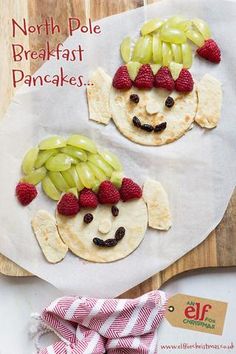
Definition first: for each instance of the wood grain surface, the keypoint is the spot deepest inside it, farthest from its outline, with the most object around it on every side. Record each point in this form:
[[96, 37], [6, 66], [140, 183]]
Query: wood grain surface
[[218, 250]]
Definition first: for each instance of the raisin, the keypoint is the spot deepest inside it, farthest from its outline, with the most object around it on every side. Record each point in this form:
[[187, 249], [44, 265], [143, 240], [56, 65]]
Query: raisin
[[158, 128], [114, 210], [136, 122], [120, 233], [88, 218], [98, 242], [169, 102], [134, 98], [147, 127], [110, 242]]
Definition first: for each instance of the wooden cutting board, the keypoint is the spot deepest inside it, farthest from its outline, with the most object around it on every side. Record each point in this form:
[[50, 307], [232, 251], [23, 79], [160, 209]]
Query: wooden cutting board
[[218, 250]]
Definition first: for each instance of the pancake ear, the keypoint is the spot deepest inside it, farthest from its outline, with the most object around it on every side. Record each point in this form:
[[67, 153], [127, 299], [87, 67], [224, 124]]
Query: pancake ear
[[209, 92], [98, 95]]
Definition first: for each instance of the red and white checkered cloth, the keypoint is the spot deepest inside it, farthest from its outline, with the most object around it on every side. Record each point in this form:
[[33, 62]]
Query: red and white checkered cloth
[[112, 326]]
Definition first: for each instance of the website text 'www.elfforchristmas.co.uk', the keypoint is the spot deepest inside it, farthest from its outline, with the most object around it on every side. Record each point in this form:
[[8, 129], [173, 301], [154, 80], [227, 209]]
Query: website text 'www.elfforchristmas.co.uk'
[[227, 347]]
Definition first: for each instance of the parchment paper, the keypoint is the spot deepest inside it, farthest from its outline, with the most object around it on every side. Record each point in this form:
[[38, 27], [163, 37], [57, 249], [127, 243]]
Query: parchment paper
[[198, 171]]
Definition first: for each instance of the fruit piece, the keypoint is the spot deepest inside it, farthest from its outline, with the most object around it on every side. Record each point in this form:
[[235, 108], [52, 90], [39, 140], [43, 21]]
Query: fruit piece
[[151, 26], [145, 77], [195, 37], [43, 156], [49, 189], [121, 79], [125, 49], [29, 160], [133, 68], [35, 176], [82, 142], [156, 49], [73, 191], [96, 186], [88, 199], [175, 69], [172, 35], [184, 83], [174, 20], [75, 152], [166, 54], [184, 25], [202, 27], [163, 79], [116, 178], [72, 178], [108, 193], [59, 181], [25, 192], [176, 52], [60, 162], [210, 51], [155, 68], [68, 205], [112, 159], [130, 190], [86, 175], [52, 143], [98, 173], [187, 55], [98, 161], [143, 50]]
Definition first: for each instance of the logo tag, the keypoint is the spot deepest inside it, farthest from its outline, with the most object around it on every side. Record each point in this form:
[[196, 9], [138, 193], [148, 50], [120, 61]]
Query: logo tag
[[196, 313]]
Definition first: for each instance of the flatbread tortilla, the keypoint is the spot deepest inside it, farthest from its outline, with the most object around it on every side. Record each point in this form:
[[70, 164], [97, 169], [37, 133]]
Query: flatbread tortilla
[[209, 102], [46, 233], [78, 236], [151, 110]]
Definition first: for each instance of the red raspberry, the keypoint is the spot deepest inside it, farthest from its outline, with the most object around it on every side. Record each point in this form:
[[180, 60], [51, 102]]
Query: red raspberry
[[25, 192], [145, 77], [210, 51], [88, 199], [184, 83], [68, 205], [108, 194], [130, 190], [163, 79], [122, 79]]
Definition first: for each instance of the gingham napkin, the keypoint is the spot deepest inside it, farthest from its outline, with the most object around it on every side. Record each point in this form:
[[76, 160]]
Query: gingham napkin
[[96, 326]]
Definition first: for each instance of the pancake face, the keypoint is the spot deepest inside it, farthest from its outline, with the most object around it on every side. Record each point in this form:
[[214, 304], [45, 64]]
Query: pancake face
[[78, 235], [151, 110]]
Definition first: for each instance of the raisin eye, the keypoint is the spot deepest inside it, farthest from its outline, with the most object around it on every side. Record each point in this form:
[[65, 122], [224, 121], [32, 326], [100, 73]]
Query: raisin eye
[[88, 218], [169, 102], [114, 210]]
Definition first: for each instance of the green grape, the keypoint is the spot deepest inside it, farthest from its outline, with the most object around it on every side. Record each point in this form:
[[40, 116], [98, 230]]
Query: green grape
[[73, 191], [156, 49], [58, 180], [155, 68], [60, 162], [125, 49], [52, 143], [98, 173], [96, 186], [143, 50], [174, 20], [43, 156], [133, 68], [86, 174], [187, 55], [35, 176], [172, 35], [166, 54], [175, 69], [49, 189], [195, 37], [184, 25], [151, 26], [29, 160], [82, 142], [177, 52], [75, 152], [202, 27], [73, 160], [101, 163], [112, 159], [116, 178], [72, 178]]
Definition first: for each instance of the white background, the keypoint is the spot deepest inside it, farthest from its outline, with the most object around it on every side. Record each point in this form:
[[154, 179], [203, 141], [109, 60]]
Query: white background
[[19, 297]]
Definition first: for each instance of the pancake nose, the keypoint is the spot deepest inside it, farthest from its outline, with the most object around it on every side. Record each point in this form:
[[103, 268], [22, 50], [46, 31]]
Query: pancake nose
[[104, 226]]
